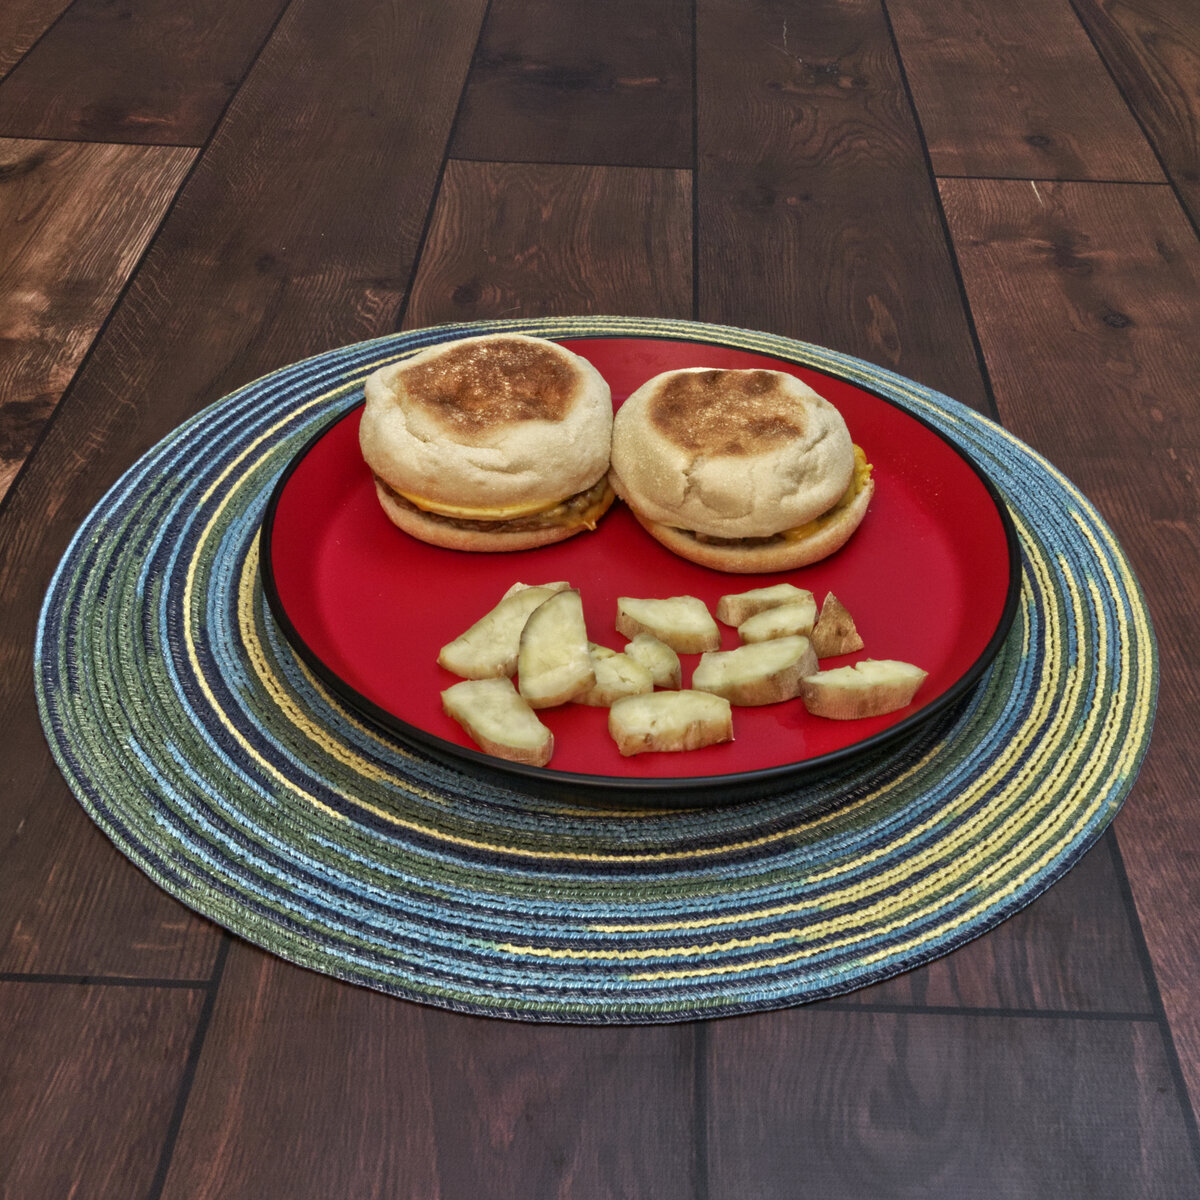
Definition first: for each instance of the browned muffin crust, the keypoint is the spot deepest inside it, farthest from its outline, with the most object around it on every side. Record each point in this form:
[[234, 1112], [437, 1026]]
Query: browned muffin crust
[[486, 385]]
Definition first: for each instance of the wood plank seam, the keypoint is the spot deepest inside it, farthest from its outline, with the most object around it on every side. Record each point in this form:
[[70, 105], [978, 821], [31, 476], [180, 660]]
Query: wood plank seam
[[37, 42], [993, 410], [1048, 179], [150, 243], [436, 190], [1137, 116], [1142, 949], [102, 324], [171, 1137], [76, 141], [129, 981]]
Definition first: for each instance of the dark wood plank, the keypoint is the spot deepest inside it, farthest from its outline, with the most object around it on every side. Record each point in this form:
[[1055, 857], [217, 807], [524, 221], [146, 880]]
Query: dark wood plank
[[1016, 89], [240, 280], [69, 903], [151, 71], [74, 220], [89, 1077], [565, 1112], [307, 1087], [943, 1107], [1152, 48], [569, 81], [1073, 949], [24, 22], [817, 218], [1091, 294], [516, 239]]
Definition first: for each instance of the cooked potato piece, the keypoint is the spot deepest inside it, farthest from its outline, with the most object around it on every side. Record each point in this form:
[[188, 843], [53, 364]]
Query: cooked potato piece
[[553, 663], [784, 621], [560, 586], [489, 648], [834, 632], [499, 721], [761, 673], [683, 622], [867, 689], [617, 675], [663, 721], [658, 658], [737, 608]]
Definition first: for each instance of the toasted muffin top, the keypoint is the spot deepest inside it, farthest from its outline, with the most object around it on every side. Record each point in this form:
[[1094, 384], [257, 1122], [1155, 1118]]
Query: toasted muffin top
[[731, 454], [491, 421], [482, 384]]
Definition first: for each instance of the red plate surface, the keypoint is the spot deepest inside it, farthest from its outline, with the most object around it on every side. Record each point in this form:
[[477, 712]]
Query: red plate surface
[[929, 578]]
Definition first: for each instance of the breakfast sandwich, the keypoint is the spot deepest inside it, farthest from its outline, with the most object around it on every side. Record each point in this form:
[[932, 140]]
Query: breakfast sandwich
[[490, 443], [741, 471]]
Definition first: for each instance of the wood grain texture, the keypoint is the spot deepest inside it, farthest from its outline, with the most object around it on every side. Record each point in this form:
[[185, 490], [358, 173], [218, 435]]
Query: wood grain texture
[[1152, 48], [572, 81], [523, 239], [74, 220], [943, 1107], [817, 218], [89, 1076], [307, 1088], [1074, 949], [1017, 90], [70, 904], [24, 22], [241, 280], [1090, 295], [150, 71]]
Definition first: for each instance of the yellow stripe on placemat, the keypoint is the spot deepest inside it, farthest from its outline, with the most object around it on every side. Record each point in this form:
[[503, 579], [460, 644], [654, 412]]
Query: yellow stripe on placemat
[[320, 735], [1013, 752], [1047, 835]]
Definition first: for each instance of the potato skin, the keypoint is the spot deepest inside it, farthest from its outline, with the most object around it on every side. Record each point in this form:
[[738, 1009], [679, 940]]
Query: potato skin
[[499, 721], [737, 607], [669, 721], [868, 689], [682, 622], [759, 673]]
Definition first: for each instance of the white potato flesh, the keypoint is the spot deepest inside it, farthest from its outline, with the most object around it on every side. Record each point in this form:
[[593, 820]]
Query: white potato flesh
[[499, 721], [867, 689], [658, 658], [489, 648], [787, 620], [682, 622], [617, 675], [553, 662], [740, 606], [761, 673], [669, 721]]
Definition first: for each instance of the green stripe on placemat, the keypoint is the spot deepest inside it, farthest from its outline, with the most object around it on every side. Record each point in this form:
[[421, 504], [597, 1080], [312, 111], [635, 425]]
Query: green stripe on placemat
[[203, 746]]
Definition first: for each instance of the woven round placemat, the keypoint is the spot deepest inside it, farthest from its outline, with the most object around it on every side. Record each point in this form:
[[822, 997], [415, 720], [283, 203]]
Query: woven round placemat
[[199, 742]]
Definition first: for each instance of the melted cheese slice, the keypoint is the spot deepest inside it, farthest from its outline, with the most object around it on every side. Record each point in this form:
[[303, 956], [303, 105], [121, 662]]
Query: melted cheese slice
[[593, 512], [465, 513], [858, 481], [568, 517]]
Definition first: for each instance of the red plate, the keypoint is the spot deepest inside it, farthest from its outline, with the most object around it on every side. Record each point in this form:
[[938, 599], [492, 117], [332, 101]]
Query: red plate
[[930, 578]]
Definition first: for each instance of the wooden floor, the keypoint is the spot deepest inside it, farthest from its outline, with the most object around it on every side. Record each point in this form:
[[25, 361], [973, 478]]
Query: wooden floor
[[998, 198]]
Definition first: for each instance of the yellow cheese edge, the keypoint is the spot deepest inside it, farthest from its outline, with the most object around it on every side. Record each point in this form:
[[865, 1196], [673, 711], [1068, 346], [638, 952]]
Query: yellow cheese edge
[[466, 513], [589, 516], [858, 481]]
